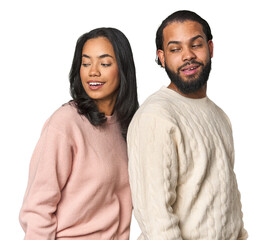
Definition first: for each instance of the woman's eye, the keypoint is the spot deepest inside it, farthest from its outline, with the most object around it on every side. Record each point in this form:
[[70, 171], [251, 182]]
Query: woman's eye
[[106, 64], [85, 64]]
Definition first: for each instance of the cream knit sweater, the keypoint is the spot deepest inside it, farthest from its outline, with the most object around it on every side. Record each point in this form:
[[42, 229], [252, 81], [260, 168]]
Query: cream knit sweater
[[181, 160]]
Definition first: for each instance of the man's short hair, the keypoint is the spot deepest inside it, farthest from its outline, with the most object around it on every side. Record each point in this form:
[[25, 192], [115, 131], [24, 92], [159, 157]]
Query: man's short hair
[[181, 16]]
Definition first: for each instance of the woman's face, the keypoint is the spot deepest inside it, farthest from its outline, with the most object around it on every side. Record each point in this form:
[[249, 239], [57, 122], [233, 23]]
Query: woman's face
[[99, 73]]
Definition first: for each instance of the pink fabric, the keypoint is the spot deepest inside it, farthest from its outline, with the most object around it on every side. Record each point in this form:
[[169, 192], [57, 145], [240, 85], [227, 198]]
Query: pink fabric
[[78, 181]]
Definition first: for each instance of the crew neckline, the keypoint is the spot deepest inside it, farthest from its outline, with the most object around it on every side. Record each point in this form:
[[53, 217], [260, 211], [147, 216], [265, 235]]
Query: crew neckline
[[111, 119], [186, 99]]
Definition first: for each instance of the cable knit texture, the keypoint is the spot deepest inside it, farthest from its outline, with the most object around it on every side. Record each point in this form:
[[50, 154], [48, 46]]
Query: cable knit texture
[[78, 183], [181, 160]]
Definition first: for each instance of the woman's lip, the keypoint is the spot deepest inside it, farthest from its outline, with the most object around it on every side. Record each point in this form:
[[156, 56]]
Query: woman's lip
[[95, 85], [95, 81]]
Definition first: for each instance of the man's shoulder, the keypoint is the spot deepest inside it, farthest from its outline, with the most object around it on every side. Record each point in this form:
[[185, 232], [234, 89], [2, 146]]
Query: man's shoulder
[[156, 106], [156, 103]]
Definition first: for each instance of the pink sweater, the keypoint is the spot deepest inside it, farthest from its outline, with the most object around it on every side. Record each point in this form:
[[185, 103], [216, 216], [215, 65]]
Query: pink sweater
[[78, 181]]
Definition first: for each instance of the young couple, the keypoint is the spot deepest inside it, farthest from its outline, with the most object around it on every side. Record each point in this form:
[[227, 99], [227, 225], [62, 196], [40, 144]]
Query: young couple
[[180, 147]]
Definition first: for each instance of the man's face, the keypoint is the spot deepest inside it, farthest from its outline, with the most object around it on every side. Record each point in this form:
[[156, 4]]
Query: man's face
[[186, 55]]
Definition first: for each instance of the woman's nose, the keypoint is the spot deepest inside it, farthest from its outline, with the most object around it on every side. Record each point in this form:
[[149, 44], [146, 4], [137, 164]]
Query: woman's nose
[[94, 71]]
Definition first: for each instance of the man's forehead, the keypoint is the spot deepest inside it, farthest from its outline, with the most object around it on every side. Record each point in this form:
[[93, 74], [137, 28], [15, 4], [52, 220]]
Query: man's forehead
[[180, 31]]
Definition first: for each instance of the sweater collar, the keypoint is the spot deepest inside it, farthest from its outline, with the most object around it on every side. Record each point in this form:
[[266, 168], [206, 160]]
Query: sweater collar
[[111, 119], [176, 95]]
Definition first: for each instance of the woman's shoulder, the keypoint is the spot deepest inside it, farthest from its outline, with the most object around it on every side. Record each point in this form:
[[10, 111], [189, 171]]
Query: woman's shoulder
[[67, 112], [65, 117]]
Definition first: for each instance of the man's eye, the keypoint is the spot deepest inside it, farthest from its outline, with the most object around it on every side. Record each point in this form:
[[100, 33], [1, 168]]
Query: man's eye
[[196, 45], [175, 50]]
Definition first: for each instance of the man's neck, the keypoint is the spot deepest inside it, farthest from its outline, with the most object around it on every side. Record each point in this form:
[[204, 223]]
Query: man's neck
[[201, 93]]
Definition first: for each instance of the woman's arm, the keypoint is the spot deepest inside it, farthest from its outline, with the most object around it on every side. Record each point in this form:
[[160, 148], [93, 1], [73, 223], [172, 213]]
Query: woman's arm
[[50, 168]]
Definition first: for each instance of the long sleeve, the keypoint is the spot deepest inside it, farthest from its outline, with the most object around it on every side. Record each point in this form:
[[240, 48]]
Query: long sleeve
[[153, 172], [243, 235], [49, 170]]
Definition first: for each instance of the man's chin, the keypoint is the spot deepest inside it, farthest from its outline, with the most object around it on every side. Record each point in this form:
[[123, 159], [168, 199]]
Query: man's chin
[[189, 83], [189, 79]]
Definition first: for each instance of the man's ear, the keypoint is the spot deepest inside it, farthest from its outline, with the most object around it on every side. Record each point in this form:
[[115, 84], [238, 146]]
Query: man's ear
[[160, 54], [210, 44]]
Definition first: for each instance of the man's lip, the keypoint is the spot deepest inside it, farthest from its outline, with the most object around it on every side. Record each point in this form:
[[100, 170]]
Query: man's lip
[[190, 67]]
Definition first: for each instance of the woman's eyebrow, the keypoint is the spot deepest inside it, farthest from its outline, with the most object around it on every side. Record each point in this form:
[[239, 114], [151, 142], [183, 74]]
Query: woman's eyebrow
[[101, 56], [105, 55]]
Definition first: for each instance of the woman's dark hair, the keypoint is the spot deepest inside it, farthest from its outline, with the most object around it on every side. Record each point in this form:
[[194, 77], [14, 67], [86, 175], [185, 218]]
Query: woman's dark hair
[[126, 102], [181, 16]]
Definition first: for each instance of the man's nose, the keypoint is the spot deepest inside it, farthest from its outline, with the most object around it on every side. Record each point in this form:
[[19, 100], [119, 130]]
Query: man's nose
[[188, 55]]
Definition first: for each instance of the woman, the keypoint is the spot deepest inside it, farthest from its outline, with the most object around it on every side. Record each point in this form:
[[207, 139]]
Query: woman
[[78, 183]]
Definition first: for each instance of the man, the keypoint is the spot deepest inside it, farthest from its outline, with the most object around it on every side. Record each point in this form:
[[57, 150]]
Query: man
[[180, 145]]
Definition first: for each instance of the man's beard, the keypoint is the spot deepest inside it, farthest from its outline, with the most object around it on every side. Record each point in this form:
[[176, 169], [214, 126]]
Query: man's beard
[[193, 83]]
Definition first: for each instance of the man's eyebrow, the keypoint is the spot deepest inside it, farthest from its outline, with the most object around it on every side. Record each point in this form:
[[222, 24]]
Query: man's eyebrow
[[196, 37], [179, 42], [173, 42], [101, 56]]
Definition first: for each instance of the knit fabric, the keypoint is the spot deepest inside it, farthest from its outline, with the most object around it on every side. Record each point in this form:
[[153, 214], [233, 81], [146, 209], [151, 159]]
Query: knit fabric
[[78, 184], [181, 160]]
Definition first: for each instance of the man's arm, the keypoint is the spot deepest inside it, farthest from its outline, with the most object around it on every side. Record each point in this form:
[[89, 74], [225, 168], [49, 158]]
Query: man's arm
[[243, 235], [153, 171]]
